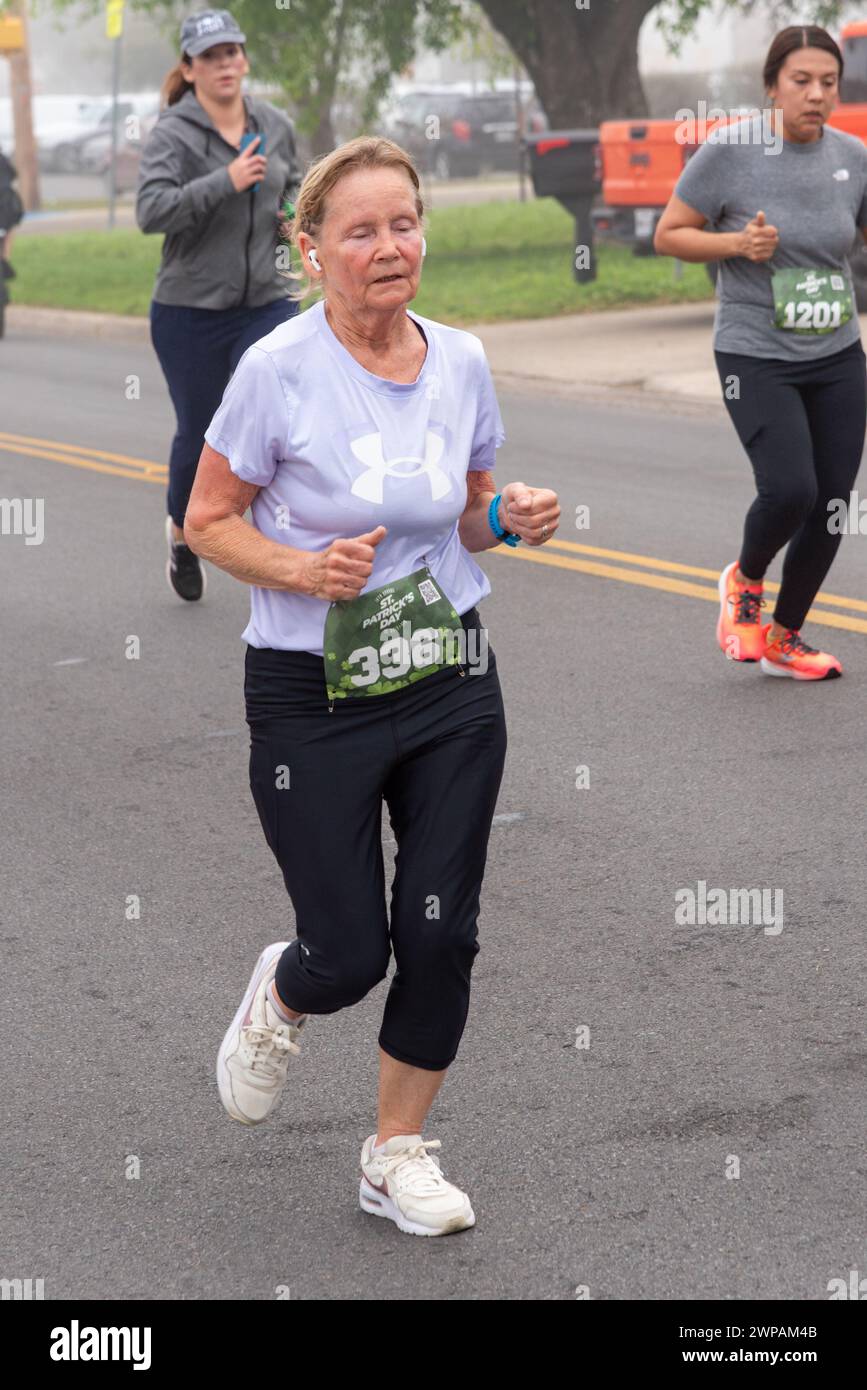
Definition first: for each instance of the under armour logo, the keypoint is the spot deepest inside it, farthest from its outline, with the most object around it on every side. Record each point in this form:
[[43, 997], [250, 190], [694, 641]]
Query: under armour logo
[[841, 174], [368, 450]]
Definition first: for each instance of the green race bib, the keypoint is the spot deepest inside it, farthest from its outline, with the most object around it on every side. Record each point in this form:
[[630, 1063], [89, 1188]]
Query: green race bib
[[811, 301], [389, 638]]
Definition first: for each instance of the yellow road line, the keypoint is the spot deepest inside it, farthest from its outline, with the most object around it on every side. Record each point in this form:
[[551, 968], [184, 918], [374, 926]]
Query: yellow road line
[[672, 586], [672, 567], [146, 471], [59, 448], [137, 476]]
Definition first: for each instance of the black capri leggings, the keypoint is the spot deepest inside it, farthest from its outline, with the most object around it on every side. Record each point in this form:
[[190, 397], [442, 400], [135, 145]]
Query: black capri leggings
[[802, 425], [434, 752]]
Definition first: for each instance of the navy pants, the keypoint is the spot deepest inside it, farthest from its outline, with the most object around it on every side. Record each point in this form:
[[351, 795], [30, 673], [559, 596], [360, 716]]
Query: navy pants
[[198, 350], [802, 425], [434, 752]]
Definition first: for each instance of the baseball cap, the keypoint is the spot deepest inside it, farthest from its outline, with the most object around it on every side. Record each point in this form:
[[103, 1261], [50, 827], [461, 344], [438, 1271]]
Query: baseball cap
[[206, 28]]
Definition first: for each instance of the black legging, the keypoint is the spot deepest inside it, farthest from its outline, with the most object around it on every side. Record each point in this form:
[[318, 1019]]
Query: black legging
[[802, 425], [434, 752], [198, 350]]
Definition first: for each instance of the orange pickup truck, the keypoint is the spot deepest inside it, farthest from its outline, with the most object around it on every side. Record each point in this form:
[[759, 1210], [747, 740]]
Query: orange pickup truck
[[617, 180], [640, 161]]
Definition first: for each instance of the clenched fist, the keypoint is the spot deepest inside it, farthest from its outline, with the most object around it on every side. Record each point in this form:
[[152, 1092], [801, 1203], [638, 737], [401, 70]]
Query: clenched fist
[[341, 571], [758, 241], [533, 513]]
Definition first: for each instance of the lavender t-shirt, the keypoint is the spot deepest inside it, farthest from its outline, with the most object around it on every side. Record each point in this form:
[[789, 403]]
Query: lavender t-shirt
[[337, 451]]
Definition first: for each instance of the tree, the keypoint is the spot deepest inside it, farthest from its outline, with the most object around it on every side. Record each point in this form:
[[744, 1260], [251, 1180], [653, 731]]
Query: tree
[[583, 54], [310, 49]]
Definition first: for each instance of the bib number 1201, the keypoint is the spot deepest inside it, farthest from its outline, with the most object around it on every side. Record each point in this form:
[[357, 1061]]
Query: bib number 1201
[[815, 317]]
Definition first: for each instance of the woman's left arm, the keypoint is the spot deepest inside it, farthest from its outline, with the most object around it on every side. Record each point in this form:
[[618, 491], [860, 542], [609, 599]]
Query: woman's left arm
[[296, 172], [523, 510], [294, 175]]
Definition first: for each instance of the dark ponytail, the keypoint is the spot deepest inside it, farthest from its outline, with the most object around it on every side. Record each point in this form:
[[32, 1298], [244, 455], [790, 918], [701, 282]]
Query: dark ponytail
[[175, 84]]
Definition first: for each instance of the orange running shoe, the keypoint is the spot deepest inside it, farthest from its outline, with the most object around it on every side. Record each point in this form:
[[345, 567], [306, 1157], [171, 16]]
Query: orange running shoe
[[739, 630], [790, 656]]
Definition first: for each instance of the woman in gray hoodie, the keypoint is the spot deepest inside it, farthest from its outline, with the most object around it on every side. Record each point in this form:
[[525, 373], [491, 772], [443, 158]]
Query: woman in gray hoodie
[[214, 175]]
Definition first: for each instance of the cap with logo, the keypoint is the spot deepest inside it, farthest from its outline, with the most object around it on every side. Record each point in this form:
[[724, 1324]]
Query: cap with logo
[[207, 28]]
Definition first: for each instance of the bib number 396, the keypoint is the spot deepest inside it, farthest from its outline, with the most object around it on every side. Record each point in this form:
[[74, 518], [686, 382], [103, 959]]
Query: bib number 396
[[396, 657], [390, 637]]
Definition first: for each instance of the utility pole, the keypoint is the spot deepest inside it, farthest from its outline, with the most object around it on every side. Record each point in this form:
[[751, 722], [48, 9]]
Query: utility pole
[[520, 121], [113, 29], [22, 109]]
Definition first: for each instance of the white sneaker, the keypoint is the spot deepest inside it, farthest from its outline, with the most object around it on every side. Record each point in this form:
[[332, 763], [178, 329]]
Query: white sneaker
[[405, 1184], [254, 1055]]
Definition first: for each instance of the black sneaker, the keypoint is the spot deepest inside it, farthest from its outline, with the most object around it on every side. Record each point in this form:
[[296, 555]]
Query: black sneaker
[[183, 570]]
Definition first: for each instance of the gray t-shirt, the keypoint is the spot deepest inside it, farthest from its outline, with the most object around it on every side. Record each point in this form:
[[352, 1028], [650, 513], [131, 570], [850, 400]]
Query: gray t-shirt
[[815, 194]]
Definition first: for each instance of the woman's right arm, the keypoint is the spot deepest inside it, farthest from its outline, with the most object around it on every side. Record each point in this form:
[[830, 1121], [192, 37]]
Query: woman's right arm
[[214, 527], [679, 233]]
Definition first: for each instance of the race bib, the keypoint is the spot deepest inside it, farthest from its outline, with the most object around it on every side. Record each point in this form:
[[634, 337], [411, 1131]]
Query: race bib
[[811, 301], [390, 637]]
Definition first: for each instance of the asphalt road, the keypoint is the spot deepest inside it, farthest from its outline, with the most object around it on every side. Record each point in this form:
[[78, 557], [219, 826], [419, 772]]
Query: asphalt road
[[602, 1167]]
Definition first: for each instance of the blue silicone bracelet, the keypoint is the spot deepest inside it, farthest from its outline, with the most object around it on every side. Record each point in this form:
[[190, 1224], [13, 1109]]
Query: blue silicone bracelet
[[495, 526]]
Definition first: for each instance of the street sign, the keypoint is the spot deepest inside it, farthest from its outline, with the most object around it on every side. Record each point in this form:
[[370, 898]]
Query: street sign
[[11, 34], [113, 18]]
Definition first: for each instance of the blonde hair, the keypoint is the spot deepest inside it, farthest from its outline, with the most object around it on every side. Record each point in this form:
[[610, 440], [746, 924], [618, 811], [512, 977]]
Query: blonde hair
[[364, 152]]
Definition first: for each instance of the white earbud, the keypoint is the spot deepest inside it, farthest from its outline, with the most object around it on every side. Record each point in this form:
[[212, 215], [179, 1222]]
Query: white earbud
[[423, 247], [314, 259]]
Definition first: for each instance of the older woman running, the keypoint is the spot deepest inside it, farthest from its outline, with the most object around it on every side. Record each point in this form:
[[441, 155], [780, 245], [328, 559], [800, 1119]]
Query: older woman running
[[362, 436]]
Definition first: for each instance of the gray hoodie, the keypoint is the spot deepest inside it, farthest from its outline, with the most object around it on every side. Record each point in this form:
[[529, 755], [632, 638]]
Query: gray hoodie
[[220, 246]]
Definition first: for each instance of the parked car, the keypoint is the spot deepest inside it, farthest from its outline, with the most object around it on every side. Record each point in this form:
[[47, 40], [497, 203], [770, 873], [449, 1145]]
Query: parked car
[[64, 126], [59, 121], [93, 150], [454, 134]]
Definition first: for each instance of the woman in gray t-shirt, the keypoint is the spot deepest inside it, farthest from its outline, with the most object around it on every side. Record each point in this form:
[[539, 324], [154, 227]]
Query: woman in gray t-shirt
[[778, 199]]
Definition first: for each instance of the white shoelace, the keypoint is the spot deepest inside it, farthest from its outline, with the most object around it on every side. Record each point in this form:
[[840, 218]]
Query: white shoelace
[[267, 1049], [422, 1175]]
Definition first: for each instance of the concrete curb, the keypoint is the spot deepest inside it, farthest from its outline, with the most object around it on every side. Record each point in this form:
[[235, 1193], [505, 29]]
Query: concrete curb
[[599, 357], [75, 323], [634, 395]]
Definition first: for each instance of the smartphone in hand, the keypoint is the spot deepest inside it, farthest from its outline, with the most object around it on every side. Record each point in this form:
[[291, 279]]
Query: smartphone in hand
[[247, 139]]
